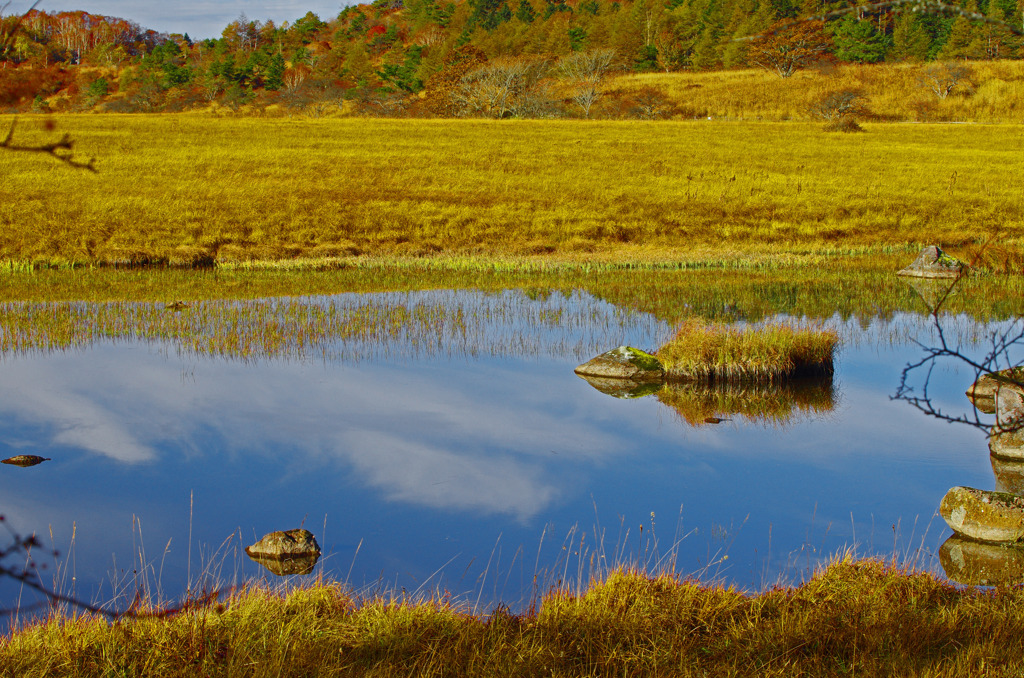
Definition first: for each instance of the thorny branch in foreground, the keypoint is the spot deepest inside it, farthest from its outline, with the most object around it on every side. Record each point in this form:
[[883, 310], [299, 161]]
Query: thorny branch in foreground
[[61, 150], [29, 575]]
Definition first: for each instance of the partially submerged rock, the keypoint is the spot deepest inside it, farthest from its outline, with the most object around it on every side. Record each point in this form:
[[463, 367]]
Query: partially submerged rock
[[1007, 445], [984, 516], [623, 388], [1001, 393], [624, 362], [25, 460], [932, 262], [285, 544], [1009, 474], [976, 563]]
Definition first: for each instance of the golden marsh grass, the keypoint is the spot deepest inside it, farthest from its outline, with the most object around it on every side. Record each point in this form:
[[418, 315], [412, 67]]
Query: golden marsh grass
[[890, 92], [346, 327], [187, 189], [864, 618], [716, 352]]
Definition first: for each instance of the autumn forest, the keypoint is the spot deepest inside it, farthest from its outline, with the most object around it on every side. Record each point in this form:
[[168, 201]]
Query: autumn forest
[[478, 58]]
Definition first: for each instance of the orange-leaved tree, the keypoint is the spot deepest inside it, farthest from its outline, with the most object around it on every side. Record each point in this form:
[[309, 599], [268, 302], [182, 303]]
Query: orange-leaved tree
[[790, 45]]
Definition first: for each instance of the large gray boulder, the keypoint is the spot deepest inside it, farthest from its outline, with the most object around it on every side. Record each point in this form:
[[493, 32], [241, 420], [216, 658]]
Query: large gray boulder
[[624, 362], [976, 563], [932, 262], [982, 515]]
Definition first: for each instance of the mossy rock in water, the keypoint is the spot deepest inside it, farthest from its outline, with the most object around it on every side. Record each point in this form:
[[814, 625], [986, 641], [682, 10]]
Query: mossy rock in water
[[975, 563], [984, 516], [932, 262], [982, 393], [285, 544], [624, 362]]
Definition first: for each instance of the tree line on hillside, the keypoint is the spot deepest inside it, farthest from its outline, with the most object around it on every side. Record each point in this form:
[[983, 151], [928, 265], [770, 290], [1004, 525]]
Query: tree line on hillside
[[467, 57]]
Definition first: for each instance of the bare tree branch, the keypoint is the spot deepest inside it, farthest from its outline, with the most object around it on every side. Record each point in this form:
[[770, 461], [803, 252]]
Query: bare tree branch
[[61, 150]]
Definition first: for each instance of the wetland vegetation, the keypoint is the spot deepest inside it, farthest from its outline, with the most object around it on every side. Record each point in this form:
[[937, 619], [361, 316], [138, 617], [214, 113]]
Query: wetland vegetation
[[697, 224], [863, 616], [602, 191]]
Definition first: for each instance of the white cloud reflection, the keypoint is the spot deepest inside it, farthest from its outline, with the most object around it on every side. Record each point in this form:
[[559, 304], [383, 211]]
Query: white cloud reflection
[[425, 437]]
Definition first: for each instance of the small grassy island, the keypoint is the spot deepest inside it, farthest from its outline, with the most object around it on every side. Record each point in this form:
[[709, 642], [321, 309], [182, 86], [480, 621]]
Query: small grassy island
[[719, 353]]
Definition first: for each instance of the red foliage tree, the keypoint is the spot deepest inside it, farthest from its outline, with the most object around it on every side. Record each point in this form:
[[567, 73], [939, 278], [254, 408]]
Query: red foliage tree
[[790, 45]]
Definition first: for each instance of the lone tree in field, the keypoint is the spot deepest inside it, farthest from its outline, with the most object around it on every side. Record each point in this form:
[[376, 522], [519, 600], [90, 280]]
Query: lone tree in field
[[943, 78], [587, 71], [788, 46]]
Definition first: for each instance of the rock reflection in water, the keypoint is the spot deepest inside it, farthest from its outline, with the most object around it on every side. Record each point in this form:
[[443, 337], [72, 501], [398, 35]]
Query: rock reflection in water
[[286, 552], [701, 404], [287, 565], [622, 388], [976, 563], [25, 460]]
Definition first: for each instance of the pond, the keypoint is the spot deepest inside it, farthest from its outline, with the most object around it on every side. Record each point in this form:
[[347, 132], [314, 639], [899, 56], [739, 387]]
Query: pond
[[440, 441]]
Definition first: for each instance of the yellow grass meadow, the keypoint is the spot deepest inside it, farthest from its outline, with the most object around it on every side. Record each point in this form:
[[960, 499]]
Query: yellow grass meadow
[[196, 189]]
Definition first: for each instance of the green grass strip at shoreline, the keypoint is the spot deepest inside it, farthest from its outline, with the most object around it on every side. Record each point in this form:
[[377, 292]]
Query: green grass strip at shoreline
[[862, 617]]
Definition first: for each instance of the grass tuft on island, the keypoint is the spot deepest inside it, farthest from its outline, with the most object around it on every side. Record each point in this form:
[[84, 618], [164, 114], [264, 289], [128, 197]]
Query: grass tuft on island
[[715, 352], [853, 617]]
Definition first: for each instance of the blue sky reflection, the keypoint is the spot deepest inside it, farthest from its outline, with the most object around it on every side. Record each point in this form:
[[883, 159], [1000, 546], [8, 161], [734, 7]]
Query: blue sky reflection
[[429, 460]]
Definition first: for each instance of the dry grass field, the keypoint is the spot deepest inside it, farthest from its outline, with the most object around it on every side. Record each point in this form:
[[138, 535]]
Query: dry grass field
[[194, 189]]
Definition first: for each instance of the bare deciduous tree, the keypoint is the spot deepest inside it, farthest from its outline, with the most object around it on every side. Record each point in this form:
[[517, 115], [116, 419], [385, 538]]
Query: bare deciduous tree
[[587, 71], [838, 105], [503, 89], [943, 78]]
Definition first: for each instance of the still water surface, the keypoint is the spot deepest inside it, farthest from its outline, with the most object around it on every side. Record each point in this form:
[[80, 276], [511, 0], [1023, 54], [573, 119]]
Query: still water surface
[[482, 466]]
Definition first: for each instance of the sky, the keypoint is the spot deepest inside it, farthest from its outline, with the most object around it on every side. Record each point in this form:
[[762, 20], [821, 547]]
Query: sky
[[198, 18]]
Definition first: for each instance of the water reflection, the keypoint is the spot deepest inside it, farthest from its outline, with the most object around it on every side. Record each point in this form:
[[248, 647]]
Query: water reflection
[[985, 547], [467, 463], [700, 404]]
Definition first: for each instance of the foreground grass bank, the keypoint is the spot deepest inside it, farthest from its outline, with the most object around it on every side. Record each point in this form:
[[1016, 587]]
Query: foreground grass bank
[[193, 189], [852, 618]]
